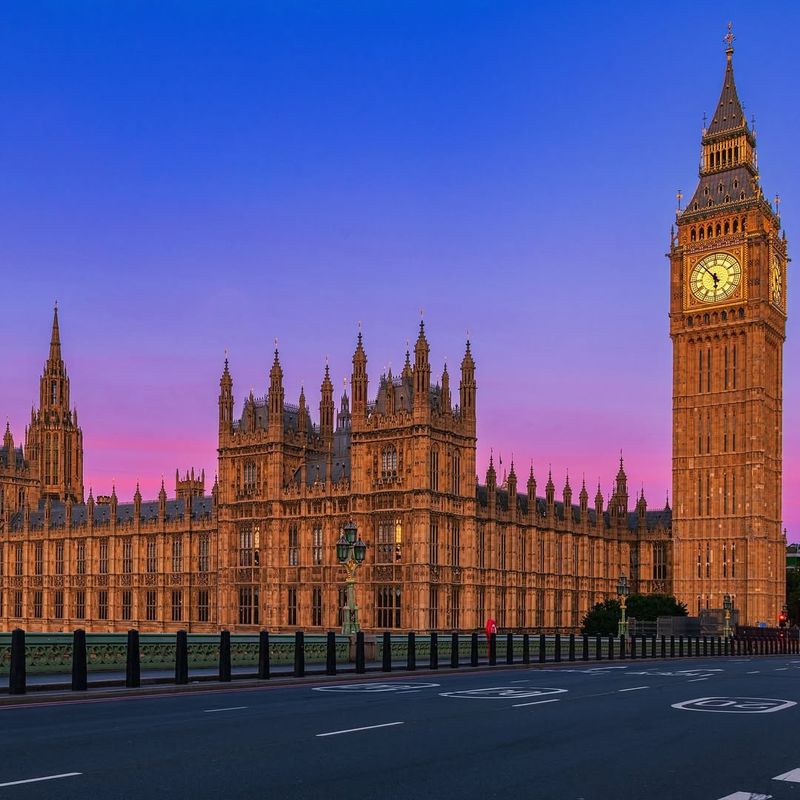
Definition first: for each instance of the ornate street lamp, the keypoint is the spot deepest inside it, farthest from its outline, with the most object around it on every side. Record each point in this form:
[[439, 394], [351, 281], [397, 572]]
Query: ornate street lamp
[[727, 605], [623, 590], [351, 554]]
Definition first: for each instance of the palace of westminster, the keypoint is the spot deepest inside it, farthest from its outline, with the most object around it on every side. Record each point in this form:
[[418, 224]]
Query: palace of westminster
[[445, 552]]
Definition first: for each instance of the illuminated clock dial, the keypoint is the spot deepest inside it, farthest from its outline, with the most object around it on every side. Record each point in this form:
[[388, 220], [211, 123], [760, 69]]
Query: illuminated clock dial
[[776, 282], [715, 277]]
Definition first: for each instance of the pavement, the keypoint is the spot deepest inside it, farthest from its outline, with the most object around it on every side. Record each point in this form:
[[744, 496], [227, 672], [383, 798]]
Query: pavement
[[693, 729]]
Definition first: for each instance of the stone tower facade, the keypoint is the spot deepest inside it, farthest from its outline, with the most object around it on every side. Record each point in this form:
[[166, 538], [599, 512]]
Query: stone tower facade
[[728, 325]]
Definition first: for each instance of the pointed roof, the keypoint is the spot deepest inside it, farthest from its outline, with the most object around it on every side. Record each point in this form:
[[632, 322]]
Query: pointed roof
[[55, 337], [729, 113]]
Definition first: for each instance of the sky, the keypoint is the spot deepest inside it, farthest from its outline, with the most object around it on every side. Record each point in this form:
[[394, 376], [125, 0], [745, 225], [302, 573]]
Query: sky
[[190, 177]]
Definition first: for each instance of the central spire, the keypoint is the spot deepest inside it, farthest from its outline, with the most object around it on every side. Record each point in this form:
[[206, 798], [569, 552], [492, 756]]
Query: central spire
[[55, 337], [729, 113]]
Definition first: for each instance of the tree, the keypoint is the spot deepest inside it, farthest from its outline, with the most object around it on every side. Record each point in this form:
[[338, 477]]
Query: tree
[[604, 618], [793, 595]]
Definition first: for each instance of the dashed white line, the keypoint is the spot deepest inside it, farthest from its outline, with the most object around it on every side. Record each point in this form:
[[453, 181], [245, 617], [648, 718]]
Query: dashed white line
[[365, 728], [754, 672], [697, 680], [781, 669], [524, 680], [535, 703], [45, 778], [633, 689], [230, 708], [746, 796], [793, 776]]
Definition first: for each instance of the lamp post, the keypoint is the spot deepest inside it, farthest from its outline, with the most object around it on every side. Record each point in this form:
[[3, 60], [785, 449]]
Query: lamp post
[[727, 605], [350, 553], [623, 590]]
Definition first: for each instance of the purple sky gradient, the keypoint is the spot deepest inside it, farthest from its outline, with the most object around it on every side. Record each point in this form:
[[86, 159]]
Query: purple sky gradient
[[200, 176]]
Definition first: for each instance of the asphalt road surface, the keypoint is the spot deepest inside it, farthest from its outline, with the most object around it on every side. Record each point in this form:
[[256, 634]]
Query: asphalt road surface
[[698, 729]]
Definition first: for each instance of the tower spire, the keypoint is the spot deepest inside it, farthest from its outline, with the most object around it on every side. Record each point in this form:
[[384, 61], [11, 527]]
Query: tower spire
[[55, 337]]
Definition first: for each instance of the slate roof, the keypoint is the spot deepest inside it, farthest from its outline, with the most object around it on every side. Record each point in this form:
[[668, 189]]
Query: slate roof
[[729, 114], [175, 509], [737, 185]]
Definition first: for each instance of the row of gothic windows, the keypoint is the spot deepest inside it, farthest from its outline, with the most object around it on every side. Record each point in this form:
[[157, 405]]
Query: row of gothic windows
[[720, 229]]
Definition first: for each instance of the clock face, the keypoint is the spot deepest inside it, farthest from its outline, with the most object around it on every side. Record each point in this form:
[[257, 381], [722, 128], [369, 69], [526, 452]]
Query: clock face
[[776, 282], [715, 277]]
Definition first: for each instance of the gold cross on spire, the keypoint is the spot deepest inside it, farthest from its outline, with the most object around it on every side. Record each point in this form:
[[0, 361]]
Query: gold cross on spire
[[729, 37]]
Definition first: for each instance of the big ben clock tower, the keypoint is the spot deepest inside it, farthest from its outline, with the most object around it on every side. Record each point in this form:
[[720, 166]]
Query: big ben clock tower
[[727, 323]]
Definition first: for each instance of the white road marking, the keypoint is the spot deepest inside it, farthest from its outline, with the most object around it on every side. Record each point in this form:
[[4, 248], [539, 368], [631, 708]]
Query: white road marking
[[696, 680], [231, 708], [536, 703], [365, 728], [524, 680], [753, 672], [45, 778], [633, 689], [410, 691], [781, 669], [746, 796], [793, 776]]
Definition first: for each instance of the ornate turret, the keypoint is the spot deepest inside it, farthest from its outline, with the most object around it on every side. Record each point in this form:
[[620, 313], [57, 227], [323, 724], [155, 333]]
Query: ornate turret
[[302, 414], [467, 387], [326, 410], [422, 374], [446, 400], [598, 505], [583, 499], [275, 397], [512, 490], [550, 493], [359, 381], [225, 400]]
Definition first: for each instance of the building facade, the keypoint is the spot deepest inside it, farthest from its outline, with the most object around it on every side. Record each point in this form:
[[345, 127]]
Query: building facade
[[445, 550], [728, 288]]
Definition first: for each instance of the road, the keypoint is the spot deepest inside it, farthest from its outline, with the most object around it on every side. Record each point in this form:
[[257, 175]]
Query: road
[[581, 731]]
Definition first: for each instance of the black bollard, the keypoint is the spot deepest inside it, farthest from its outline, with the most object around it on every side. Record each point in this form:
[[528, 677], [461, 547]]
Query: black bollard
[[680, 647], [434, 658], [473, 650], [387, 651], [542, 649], [300, 654], [225, 656], [571, 647], [598, 648], [663, 646], [558, 647], [181, 658], [133, 673], [526, 648], [653, 646], [585, 650], [454, 651], [492, 649], [361, 663], [263, 655], [510, 648], [80, 678], [16, 674], [411, 655], [610, 647], [622, 647], [719, 646], [705, 646], [672, 646], [330, 653]]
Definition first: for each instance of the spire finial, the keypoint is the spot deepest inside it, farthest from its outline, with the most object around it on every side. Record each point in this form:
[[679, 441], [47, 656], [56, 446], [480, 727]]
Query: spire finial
[[729, 39]]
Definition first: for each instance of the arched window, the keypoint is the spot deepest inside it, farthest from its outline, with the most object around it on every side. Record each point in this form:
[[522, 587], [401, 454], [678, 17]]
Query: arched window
[[455, 465], [694, 234], [744, 219], [702, 233], [249, 477], [736, 226], [709, 231], [389, 461], [727, 228], [719, 229], [434, 481]]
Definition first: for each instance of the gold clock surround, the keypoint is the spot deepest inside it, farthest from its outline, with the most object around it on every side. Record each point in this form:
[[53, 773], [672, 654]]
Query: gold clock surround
[[776, 282], [702, 292]]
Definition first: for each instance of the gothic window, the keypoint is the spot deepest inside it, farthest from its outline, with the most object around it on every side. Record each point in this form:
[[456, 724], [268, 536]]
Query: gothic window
[[389, 606], [481, 546], [317, 552], [708, 495], [59, 559], [104, 556], [127, 555], [53, 392], [58, 604], [736, 226], [127, 597], [727, 224], [559, 561], [522, 560], [453, 608], [718, 230], [177, 605], [291, 606], [733, 561], [724, 560], [709, 230], [521, 615], [733, 374], [659, 561], [389, 461], [699, 563], [80, 604], [316, 607], [455, 543], [249, 477], [38, 558], [248, 605], [435, 469], [708, 560], [150, 605], [481, 606], [501, 608], [294, 546], [557, 621], [724, 493], [80, 561], [151, 554], [540, 608], [433, 545], [177, 554], [385, 550], [702, 230], [245, 545], [700, 371], [456, 473], [744, 222], [102, 604], [202, 557], [541, 554], [591, 559], [694, 234], [501, 534], [433, 607]]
